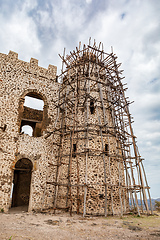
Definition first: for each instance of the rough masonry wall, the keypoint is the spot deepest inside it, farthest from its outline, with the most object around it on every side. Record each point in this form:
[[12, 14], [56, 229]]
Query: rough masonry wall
[[17, 78], [87, 167]]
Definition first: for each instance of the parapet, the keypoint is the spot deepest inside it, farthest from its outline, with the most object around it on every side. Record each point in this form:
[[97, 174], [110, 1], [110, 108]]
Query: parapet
[[34, 63], [12, 61], [13, 55]]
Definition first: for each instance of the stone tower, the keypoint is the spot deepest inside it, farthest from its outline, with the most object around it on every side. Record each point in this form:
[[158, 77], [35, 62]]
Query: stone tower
[[98, 168], [24, 158]]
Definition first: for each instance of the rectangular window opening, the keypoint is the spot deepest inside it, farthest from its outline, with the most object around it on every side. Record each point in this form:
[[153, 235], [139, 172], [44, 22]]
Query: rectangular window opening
[[74, 150], [106, 149], [92, 108]]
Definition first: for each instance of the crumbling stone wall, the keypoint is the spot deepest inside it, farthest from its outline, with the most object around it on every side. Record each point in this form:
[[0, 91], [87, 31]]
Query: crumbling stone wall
[[18, 79]]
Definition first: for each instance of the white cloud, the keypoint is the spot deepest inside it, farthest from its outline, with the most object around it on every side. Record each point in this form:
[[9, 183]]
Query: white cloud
[[88, 1], [19, 32]]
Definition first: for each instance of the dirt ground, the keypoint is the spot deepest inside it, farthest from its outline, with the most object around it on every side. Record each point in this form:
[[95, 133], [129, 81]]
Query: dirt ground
[[17, 225]]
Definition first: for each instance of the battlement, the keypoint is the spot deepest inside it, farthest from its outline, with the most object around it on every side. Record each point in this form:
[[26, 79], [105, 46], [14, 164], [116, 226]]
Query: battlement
[[13, 55], [11, 61]]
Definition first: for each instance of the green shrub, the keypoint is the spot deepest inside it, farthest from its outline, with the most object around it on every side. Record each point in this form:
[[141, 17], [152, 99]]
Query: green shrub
[[157, 205], [2, 210]]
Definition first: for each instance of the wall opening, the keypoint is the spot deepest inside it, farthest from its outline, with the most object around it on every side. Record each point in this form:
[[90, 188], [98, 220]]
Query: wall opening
[[32, 114], [74, 150], [21, 183], [92, 108], [34, 102], [106, 149], [26, 129]]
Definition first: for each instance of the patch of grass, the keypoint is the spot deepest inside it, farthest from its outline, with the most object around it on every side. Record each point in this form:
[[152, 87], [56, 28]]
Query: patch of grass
[[137, 216], [144, 221], [2, 210], [131, 213]]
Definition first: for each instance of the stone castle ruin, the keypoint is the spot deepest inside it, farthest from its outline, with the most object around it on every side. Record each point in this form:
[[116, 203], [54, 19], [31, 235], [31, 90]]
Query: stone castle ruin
[[82, 155]]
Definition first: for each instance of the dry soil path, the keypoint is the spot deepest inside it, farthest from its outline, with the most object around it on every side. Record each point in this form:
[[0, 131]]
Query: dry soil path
[[47, 226]]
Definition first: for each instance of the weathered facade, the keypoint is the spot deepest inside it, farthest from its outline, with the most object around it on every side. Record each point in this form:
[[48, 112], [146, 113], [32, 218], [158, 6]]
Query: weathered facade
[[21, 151], [82, 155]]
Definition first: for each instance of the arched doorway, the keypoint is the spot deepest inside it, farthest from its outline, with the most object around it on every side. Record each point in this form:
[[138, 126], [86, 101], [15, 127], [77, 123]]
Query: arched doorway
[[22, 182]]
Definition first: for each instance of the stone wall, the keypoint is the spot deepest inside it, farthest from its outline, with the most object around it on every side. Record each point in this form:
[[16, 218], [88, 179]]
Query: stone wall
[[18, 79]]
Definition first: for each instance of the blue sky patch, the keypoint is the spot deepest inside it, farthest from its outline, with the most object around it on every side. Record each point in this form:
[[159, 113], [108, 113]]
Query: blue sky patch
[[123, 15]]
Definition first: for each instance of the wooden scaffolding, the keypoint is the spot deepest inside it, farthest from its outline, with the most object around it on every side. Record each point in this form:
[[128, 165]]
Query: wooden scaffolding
[[94, 126]]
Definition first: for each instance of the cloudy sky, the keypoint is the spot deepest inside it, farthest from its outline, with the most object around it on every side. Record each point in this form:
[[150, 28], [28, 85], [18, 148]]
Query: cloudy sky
[[42, 28]]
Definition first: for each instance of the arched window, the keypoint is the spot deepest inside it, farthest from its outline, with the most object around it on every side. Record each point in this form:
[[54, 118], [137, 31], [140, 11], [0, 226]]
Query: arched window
[[32, 114]]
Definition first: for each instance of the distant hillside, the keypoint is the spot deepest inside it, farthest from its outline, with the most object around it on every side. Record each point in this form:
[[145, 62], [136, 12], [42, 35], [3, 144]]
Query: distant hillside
[[152, 200]]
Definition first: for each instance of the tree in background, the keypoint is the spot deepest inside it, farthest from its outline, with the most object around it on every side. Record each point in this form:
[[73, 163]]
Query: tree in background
[[157, 205]]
